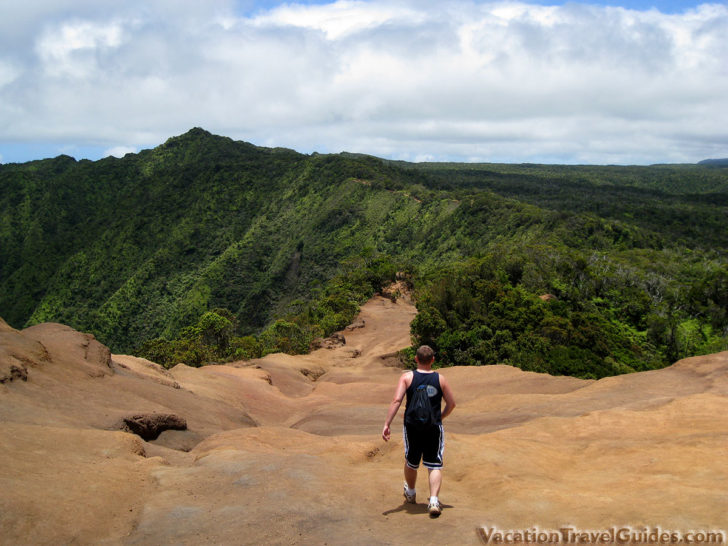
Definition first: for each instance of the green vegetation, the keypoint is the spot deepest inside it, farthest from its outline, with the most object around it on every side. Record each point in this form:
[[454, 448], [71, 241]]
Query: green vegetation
[[597, 314], [212, 339], [205, 249]]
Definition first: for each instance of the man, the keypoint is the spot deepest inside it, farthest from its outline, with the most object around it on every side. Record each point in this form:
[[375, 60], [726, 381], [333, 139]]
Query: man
[[428, 443]]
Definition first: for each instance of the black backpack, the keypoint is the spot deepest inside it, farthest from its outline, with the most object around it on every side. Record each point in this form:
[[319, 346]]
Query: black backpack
[[419, 414]]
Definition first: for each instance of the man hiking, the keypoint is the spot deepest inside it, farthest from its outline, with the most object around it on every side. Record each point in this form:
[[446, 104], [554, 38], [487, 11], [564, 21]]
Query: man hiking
[[424, 437]]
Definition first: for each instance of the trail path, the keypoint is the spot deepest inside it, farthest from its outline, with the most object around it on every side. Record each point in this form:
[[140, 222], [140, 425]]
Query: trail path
[[286, 449]]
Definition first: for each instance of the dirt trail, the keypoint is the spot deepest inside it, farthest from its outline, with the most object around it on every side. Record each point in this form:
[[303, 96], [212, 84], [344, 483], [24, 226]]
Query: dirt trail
[[286, 450]]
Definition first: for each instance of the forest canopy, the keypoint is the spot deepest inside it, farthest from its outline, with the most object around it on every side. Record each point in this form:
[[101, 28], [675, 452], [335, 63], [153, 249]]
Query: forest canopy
[[206, 249]]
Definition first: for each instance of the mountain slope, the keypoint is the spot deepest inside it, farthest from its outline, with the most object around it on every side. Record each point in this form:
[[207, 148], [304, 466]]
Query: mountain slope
[[135, 248]]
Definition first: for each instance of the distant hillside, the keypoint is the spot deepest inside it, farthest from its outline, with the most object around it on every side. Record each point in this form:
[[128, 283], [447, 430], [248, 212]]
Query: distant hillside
[[141, 247], [683, 200], [714, 162]]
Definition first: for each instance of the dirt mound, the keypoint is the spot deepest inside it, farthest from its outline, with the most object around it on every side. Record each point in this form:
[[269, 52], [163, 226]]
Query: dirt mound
[[145, 369], [286, 449], [5, 327]]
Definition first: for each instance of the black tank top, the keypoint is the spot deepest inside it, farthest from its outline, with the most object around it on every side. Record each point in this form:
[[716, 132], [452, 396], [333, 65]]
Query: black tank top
[[432, 380]]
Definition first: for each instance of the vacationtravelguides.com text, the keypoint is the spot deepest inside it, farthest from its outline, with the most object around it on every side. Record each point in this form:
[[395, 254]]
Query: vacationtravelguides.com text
[[612, 535]]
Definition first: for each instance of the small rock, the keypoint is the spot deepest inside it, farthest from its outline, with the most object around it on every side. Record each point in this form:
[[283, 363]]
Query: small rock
[[13, 372], [149, 426], [312, 374], [334, 340], [356, 324]]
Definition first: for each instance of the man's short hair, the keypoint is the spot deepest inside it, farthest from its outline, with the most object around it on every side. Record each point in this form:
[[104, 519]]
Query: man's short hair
[[425, 354]]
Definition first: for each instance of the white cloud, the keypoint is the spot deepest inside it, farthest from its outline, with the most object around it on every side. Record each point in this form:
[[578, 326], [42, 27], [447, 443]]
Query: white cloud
[[120, 151], [481, 81], [339, 19], [8, 73], [75, 48]]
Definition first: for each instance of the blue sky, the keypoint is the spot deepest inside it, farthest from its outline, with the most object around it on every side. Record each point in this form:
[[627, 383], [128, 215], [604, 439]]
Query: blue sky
[[557, 82]]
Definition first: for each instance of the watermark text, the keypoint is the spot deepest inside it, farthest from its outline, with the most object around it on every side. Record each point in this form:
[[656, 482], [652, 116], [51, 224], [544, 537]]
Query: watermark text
[[624, 534]]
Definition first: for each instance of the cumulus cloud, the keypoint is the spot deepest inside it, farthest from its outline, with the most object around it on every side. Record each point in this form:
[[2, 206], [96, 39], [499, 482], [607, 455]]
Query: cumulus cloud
[[460, 80], [120, 151]]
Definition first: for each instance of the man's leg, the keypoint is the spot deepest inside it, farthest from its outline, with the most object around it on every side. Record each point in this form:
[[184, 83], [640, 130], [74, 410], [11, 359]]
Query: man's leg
[[412, 453], [410, 475], [435, 475]]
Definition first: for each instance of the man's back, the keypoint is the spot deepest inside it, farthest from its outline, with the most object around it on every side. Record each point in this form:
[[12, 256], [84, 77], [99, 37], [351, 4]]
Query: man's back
[[429, 384]]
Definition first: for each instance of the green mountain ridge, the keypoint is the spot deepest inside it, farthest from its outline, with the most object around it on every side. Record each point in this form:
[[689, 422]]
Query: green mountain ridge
[[140, 247]]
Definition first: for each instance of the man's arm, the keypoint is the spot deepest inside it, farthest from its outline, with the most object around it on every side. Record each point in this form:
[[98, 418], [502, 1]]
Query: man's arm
[[396, 402], [448, 396]]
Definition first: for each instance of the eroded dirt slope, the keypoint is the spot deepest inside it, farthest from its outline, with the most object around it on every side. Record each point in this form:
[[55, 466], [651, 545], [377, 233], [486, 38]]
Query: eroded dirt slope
[[286, 449]]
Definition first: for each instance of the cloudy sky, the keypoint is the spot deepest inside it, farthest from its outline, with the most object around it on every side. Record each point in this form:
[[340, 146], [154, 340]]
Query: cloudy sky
[[625, 82]]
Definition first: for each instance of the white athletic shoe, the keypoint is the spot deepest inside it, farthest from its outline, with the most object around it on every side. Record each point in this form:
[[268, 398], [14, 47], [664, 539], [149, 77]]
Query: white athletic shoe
[[409, 498], [434, 509]]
